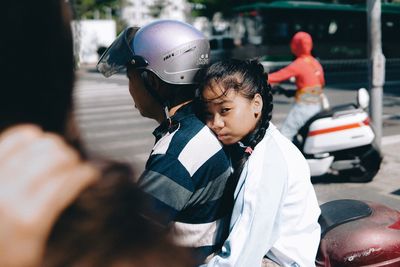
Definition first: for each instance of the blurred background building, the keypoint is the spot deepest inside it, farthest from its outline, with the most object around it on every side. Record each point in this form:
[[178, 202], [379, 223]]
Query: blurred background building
[[141, 12], [244, 29]]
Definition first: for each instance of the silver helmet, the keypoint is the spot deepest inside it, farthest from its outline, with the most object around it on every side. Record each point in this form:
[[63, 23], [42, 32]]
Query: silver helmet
[[172, 50]]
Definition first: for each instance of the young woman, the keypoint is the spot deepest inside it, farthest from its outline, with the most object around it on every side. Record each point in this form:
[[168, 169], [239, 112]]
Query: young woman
[[276, 211]]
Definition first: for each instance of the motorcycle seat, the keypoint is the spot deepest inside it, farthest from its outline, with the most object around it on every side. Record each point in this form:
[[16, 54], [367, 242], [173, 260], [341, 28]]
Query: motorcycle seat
[[329, 113], [337, 212]]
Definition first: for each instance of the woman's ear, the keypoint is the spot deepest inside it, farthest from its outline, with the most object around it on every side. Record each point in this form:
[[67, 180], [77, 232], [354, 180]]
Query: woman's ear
[[257, 104]]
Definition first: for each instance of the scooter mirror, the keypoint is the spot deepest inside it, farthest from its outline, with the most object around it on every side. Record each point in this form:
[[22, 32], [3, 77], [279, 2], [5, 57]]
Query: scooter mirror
[[363, 98]]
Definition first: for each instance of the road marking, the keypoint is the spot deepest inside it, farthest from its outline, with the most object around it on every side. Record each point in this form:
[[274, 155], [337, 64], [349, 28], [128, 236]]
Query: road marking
[[391, 116]]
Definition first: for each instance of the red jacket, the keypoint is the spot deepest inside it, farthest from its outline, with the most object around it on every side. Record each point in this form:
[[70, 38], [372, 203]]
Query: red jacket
[[306, 69]]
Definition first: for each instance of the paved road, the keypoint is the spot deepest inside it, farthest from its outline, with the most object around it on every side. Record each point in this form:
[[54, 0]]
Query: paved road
[[112, 127]]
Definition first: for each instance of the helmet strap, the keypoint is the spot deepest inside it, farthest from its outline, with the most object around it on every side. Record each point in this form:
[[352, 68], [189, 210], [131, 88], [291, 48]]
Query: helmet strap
[[164, 103]]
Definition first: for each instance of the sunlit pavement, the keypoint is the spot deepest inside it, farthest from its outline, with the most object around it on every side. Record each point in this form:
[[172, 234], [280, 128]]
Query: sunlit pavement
[[381, 189]]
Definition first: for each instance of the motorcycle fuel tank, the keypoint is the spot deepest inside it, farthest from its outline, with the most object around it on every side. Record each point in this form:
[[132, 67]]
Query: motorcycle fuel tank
[[371, 240]]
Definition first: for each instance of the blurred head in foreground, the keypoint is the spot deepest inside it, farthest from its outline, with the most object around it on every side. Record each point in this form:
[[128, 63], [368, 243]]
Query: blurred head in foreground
[[103, 226]]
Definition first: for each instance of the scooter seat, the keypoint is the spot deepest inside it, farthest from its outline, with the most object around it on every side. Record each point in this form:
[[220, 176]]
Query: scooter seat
[[343, 107], [341, 211]]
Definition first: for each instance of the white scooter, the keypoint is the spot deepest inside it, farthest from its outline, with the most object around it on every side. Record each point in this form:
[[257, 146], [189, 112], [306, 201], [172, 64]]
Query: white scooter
[[340, 140]]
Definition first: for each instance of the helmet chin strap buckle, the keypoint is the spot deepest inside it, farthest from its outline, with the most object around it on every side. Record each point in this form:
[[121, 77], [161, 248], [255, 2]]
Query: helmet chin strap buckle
[[167, 116], [172, 125], [166, 113]]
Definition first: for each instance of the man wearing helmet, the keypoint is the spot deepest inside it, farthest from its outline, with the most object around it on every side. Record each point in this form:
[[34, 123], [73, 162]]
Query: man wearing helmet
[[309, 82], [187, 172]]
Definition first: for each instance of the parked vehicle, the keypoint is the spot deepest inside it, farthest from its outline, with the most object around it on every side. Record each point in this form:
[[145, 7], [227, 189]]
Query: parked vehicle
[[358, 233], [340, 140]]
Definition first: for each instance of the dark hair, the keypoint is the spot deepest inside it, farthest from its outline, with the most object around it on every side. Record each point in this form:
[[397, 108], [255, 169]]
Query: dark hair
[[36, 64], [105, 226], [246, 77]]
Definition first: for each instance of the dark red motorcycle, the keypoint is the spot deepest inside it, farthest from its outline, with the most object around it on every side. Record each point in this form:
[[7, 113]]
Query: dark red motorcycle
[[358, 234]]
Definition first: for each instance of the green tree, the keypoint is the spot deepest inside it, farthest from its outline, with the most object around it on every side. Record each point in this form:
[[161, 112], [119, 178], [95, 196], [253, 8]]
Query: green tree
[[157, 7], [88, 8], [209, 7], [91, 9]]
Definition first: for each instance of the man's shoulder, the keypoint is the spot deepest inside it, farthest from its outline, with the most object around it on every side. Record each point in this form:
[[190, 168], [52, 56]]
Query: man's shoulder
[[193, 133], [193, 146], [203, 149], [191, 123], [299, 61]]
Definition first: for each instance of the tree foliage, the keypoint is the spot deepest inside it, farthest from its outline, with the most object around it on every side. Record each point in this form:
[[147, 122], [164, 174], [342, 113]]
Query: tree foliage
[[209, 7], [157, 7], [86, 8]]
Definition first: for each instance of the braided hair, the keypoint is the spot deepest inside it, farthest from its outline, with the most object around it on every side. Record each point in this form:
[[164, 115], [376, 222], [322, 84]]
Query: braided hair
[[248, 79]]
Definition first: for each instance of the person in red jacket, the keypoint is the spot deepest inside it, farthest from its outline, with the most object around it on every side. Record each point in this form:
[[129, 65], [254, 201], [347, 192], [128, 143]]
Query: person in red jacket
[[310, 81]]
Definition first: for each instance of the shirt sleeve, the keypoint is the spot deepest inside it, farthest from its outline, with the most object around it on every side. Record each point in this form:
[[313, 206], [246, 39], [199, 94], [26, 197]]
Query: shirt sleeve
[[283, 74], [322, 76]]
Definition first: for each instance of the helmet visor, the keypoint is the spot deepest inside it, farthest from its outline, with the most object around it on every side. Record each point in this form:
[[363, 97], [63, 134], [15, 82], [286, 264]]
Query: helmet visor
[[119, 54]]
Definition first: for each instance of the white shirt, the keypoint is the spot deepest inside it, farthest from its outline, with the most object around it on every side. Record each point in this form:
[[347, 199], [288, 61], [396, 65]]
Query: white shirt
[[276, 210]]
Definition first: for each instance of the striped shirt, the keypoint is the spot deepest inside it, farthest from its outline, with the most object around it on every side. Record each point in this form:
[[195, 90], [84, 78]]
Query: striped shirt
[[186, 176]]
